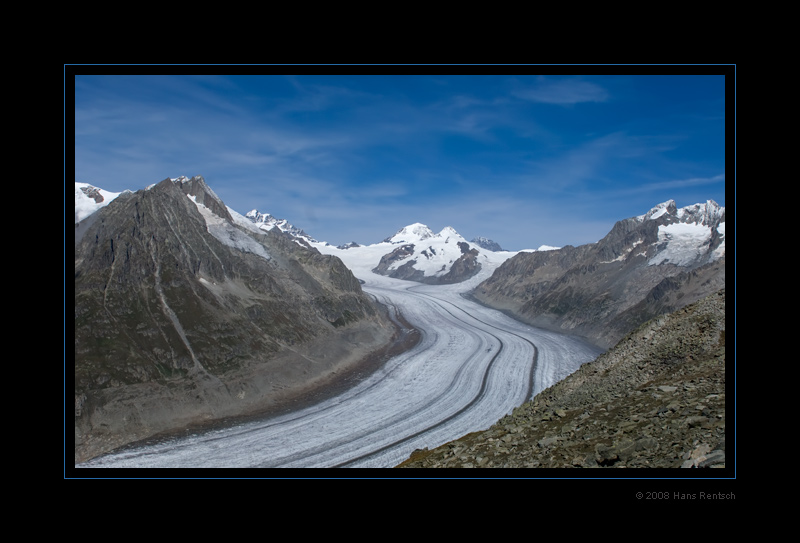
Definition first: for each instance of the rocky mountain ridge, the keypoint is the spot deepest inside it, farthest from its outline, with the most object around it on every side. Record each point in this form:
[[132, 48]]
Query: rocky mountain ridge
[[645, 266], [186, 313], [486, 243], [655, 400], [265, 221]]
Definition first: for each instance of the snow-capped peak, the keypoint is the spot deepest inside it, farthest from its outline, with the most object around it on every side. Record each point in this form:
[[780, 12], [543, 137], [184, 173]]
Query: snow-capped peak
[[412, 233], [708, 214], [667, 207], [418, 232], [450, 232], [265, 221], [257, 217], [691, 235]]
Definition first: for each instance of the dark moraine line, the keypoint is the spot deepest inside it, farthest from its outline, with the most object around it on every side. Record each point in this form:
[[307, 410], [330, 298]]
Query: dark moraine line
[[420, 409], [532, 373], [475, 399]]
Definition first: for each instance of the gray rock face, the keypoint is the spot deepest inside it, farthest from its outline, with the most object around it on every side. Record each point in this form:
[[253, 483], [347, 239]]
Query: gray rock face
[[644, 267], [93, 193], [464, 267], [487, 244], [461, 269], [197, 188], [655, 400], [406, 271], [182, 318]]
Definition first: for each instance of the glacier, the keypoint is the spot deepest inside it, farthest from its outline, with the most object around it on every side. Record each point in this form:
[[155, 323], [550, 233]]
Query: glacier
[[472, 366]]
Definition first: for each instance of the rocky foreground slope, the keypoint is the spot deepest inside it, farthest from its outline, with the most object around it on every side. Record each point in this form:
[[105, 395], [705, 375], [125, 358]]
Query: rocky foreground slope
[[655, 400]]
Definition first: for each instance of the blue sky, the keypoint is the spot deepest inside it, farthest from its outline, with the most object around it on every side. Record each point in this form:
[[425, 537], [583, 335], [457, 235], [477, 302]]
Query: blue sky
[[525, 160]]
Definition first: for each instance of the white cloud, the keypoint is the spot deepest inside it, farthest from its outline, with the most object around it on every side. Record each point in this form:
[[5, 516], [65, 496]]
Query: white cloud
[[562, 92], [682, 183]]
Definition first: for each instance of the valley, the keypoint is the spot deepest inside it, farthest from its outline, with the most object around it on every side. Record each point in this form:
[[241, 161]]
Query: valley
[[472, 366]]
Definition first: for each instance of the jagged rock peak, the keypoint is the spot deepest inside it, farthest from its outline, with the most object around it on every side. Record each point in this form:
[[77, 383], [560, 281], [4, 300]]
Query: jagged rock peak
[[485, 243], [266, 221], [708, 214], [197, 189], [258, 217], [667, 207]]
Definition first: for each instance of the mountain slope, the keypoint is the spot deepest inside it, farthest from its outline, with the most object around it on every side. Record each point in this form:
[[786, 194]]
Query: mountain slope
[[644, 266], [185, 312], [657, 400]]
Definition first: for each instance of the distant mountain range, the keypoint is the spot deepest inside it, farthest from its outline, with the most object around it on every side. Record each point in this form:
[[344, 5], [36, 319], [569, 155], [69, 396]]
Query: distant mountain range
[[646, 265], [413, 253]]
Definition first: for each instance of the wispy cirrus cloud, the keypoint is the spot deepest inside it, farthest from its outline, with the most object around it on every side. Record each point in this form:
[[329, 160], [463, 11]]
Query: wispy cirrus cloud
[[357, 157], [681, 183], [562, 91]]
